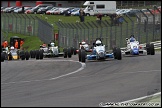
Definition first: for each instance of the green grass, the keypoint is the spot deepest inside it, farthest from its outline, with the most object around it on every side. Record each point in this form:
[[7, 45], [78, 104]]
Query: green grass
[[52, 19], [31, 42]]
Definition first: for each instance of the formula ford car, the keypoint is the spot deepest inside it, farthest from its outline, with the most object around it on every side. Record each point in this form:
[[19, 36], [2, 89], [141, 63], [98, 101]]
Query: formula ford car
[[134, 48], [82, 45], [14, 54], [99, 53], [51, 50]]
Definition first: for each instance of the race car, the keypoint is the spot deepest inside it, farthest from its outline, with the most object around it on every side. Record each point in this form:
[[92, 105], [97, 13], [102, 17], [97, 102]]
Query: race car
[[51, 50], [134, 48], [82, 45], [14, 54], [99, 53]]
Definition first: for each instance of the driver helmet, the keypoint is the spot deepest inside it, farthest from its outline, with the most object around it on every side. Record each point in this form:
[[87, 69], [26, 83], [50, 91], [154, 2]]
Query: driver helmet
[[12, 48], [83, 43], [132, 39], [98, 43], [52, 44]]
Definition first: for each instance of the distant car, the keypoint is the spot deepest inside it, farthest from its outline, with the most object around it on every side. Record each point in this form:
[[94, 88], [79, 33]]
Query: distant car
[[7, 9], [51, 11], [44, 9], [132, 12], [75, 13], [19, 10]]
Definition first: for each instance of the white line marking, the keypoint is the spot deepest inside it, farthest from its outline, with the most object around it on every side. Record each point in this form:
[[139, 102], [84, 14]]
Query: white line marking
[[82, 67]]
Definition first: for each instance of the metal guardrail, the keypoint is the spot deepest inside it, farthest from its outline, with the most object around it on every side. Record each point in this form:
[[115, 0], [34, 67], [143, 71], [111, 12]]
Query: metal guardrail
[[157, 45]]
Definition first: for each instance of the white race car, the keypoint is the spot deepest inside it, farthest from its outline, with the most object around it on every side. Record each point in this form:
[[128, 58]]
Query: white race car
[[83, 45], [99, 53], [51, 50], [134, 48]]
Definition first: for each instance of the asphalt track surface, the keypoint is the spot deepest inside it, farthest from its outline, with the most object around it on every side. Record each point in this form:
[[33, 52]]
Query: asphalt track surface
[[59, 82]]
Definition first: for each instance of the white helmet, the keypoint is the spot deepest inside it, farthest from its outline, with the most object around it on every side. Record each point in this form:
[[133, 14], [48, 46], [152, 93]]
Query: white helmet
[[83, 43], [98, 43], [52, 44], [12, 48]]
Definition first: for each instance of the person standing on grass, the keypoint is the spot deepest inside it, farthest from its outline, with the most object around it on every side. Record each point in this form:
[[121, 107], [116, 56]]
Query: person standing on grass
[[81, 15], [16, 44]]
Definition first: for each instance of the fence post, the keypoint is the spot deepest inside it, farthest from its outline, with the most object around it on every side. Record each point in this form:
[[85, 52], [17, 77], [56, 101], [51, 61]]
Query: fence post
[[145, 25], [132, 32], [92, 30], [159, 18], [96, 27], [110, 46], [88, 31], [106, 37], [139, 28], [153, 37]]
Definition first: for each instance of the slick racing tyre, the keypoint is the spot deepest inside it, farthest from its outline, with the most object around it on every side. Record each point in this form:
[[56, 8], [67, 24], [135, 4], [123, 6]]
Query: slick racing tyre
[[69, 53], [115, 52], [152, 50], [65, 52], [27, 55], [83, 56], [118, 54], [79, 55], [41, 54]]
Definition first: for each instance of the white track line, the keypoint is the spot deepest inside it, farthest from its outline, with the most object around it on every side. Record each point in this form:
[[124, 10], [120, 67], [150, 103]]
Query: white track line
[[82, 67]]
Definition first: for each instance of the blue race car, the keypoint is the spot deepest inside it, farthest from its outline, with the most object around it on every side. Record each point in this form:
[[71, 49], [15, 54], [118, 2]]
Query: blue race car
[[99, 53]]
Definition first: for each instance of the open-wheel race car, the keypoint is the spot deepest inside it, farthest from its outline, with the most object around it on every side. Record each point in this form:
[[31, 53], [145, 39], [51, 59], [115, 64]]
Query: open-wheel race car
[[82, 45], [51, 50], [99, 53], [14, 54], [134, 48]]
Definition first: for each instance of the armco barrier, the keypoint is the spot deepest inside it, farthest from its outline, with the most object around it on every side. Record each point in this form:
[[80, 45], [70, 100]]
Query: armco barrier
[[157, 45]]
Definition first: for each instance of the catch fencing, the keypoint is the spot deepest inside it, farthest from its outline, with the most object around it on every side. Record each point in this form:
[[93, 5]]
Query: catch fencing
[[28, 25], [112, 32]]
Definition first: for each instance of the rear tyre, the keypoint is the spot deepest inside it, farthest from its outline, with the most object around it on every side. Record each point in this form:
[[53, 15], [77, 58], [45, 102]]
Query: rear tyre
[[148, 49], [118, 54], [65, 52], [115, 52], [79, 55], [83, 56], [37, 54], [22, 55], [41, 54], [75, 51], [2, 57], [152, 50], [69, 53], [27, 55]]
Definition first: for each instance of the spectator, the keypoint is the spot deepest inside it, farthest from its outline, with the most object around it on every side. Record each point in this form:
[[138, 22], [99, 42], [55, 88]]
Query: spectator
[[99, 16], [5, 44], [157, 27], [120, 19], [21, 42], [81, 15], [16, 44], [23, 10]]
